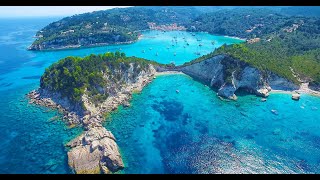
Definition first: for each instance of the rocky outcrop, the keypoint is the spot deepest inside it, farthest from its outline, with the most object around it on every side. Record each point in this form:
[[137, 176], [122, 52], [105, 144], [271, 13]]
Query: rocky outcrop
[[53, 100], [279, 83], [215, 72], [209, 71], [95, 151], [120, 94]]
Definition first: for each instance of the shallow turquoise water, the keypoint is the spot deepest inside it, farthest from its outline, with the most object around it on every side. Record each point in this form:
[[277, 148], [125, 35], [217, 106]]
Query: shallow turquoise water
[[195, 132], [163, 132], [30, 141], [32, 137]]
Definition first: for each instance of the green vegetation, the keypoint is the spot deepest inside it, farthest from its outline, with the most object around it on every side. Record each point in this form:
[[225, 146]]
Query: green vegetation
[[72, 76], [286, 41], [244, 23], [281, 51], [110, 26], [124, 24]]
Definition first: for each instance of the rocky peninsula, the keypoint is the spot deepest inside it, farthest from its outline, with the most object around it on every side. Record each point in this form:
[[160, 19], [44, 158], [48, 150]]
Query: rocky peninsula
[[95, 150]]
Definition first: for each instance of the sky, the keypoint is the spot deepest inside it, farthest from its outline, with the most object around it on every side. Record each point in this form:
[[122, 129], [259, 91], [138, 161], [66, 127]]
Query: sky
[[40, 11]]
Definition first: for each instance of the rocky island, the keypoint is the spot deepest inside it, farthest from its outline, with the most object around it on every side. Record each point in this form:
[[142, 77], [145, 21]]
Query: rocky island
[[85, 90]]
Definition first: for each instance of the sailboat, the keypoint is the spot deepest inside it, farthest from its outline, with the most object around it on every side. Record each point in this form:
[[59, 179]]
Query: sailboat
[[157, 54], [175, 54], [198, 51]]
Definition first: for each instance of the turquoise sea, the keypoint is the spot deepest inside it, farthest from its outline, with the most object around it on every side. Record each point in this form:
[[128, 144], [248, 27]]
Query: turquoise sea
[[163, 131]]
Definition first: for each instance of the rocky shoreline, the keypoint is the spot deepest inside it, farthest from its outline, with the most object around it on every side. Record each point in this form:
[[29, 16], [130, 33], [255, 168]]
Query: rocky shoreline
[[31, 47], [95, 150], [36, 97], [212, 72]]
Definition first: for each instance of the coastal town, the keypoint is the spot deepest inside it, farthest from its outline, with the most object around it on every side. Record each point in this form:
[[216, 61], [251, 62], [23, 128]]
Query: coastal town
[[167, 27]]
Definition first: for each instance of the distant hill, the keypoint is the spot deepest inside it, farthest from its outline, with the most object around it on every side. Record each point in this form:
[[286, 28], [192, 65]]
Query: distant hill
[[119, 25], [283, 40]]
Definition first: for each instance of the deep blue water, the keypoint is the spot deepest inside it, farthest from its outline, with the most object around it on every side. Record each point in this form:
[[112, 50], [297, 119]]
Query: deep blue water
[[195, 132], [162, 132]]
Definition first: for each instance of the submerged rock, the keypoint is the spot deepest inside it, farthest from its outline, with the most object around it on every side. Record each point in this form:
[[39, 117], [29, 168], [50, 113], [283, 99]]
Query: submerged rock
[[276, 131], [243, 114], [263, 99], [274, 111]]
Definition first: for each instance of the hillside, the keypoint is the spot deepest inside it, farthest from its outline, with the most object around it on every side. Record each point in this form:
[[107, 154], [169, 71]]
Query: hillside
[[123, 25], [94, 78], [120, 25], [293, 53], [284, 44]]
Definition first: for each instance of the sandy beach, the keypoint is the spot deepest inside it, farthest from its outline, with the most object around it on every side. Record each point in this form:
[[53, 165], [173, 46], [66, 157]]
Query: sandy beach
[[168, 72]]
